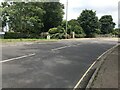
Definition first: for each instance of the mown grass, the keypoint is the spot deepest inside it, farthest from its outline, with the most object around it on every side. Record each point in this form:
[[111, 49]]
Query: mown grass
[[26, 40]]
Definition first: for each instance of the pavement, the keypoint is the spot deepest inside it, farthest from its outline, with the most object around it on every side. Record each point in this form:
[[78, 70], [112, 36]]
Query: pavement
[[107, 76], [57, 64]]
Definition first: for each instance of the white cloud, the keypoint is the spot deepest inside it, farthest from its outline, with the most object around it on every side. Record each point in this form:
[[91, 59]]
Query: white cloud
[[102, 7]]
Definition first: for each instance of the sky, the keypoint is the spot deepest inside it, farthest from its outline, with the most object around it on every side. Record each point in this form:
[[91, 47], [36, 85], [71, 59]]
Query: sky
[[102, 7]]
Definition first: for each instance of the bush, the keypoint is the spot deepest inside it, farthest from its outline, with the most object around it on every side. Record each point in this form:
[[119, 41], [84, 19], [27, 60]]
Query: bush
[[53, 31], [16, 35], [68, 36], [80, 35], [92, 35], [98, 31], [44, 34], [78, 30], [58, 36], [57, 33], [60, 29], [13, 35], [116, 31], [53, 36], [61, 36]]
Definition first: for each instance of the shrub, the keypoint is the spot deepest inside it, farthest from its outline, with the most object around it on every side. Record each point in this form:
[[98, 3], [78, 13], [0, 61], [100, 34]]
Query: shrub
[[44, 34], [14, 35], [53, 31], [92, 35], [60, 29], [67, 36], [78, 30], [80, 35], [98, 31], [58, 36], [57, 33], [53, 36], [116, 31], [17, 35]]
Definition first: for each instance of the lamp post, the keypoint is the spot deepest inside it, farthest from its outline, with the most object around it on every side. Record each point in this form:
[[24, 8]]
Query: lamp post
[[66, 17]]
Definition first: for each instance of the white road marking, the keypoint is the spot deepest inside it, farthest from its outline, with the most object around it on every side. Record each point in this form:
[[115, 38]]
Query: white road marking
[[64, 47], [17, 58], [76, 86], [60, 48], [84, 75]]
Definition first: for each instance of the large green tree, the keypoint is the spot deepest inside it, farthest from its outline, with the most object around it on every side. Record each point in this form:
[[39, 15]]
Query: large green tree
[[106, 24], [32, 17], [89, 22], [53, 16], [24, 17]]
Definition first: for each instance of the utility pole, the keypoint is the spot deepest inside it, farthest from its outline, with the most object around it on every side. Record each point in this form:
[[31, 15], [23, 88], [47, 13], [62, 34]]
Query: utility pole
[[66, 17], [119, 14]]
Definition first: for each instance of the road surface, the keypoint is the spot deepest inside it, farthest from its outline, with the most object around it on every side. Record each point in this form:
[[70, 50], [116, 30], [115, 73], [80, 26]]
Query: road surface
[[51, 64]]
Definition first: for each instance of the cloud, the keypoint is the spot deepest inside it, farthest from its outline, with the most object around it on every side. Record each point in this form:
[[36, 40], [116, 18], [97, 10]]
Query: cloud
[[102, 7]]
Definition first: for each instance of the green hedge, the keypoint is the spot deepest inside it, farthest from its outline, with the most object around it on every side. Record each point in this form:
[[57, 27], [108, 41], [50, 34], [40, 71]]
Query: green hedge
[[57, 36], [14, 35], [92, 35], [80, 35]]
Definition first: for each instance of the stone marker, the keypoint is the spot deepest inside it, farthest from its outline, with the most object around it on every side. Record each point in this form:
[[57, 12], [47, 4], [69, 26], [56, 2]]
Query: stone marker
[[48, 36], [73, 34]]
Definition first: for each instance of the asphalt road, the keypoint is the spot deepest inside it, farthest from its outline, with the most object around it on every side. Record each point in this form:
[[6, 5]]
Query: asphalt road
[[51, 64]]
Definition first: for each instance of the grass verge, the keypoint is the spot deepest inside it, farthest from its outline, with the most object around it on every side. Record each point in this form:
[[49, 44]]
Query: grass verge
[[26, 40]]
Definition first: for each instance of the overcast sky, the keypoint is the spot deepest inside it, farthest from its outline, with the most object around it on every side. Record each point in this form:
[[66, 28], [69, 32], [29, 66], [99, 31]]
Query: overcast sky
[[102, 7]]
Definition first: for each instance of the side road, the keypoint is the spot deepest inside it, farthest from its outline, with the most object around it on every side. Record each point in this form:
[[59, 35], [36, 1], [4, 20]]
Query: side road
[[107, 76]]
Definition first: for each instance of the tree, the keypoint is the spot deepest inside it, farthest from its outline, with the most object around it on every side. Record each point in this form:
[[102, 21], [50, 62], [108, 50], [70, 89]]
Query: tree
[[89, 22], [1, 19], [106, 24], [78, 30], [24, 17], [75, 27], [63, 24], [53, 16], [3, 9], [73, 22]]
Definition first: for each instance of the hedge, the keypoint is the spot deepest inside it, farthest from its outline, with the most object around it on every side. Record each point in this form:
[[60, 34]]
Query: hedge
[[60, 36], [16, 35], [80, 35]]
